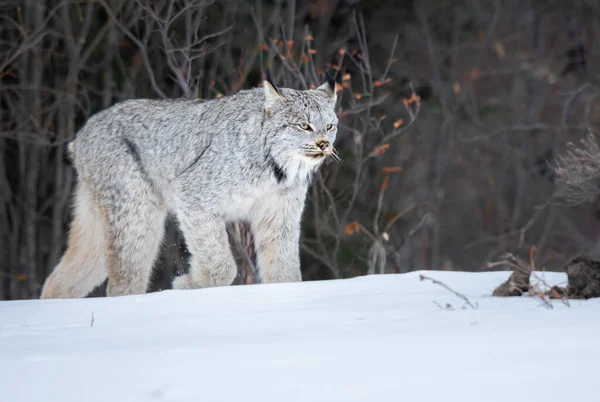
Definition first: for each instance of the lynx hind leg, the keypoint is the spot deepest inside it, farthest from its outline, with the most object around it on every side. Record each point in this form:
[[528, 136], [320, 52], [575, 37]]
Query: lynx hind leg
[[83, 266], [135, 218], [212, 263]]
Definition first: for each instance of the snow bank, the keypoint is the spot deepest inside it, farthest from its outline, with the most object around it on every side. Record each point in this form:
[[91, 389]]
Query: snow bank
[[377, 338]]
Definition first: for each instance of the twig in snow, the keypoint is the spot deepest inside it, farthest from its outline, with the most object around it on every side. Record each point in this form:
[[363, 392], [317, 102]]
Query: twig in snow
[[457, 294], [448, 306]]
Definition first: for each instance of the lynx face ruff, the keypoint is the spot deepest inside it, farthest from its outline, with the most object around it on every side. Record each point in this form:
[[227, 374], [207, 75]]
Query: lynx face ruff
[[249, 157]]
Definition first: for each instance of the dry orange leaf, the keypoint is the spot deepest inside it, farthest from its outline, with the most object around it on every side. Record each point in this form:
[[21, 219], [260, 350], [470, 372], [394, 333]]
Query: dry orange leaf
[[282, 57], [313, 51], [219, 95], [357, 95], [290, 44], [312, 86], [339, 87], [387, 80], [456, 88], [309, 37], [381, 149], [352, 228], [398, 123], [305, 58], [386, 182], [263, 46], [346, 77], [392, 169], [320, 70], [499, 47], [377, 83], [22, 277], [346, 84], [413, 98], [342, 52]]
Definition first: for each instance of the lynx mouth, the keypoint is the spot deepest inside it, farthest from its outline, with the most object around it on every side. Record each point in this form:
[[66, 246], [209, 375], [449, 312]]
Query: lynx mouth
[[315, 155]]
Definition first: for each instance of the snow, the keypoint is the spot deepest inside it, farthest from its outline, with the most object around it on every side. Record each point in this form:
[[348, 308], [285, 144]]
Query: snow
[[375, 338]]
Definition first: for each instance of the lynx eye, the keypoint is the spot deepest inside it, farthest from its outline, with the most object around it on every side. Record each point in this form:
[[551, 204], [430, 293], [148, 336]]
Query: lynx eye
[[305, 126], [329, 127]]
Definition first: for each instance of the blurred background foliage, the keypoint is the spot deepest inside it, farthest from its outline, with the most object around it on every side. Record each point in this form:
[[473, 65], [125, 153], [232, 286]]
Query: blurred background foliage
[[451, 116]]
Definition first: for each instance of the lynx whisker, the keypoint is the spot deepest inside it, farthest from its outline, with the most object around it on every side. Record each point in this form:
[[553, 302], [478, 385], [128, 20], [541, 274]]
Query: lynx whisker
[[336, 157]]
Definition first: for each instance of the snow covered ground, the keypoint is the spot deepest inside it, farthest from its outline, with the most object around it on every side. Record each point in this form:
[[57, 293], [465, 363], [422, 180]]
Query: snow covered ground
[[377, 338]]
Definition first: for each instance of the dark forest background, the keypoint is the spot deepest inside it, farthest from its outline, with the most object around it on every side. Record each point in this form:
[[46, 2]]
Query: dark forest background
[[452, 114]]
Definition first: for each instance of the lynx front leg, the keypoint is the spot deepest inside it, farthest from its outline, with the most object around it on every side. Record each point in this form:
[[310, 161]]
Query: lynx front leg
[[212, 263], [277, 238]]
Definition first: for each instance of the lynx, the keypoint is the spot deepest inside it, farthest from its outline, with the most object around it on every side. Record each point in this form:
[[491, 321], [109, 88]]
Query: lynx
[[249, 156]]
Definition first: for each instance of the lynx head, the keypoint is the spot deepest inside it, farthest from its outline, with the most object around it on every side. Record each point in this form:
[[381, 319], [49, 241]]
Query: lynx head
[[300, 126]]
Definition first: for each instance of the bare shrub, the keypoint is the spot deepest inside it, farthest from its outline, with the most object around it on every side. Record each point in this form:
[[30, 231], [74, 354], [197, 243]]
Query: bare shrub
[[578, 171]]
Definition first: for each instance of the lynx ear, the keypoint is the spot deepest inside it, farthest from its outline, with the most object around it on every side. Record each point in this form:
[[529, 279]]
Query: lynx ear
[[329, 87], [272, 94]]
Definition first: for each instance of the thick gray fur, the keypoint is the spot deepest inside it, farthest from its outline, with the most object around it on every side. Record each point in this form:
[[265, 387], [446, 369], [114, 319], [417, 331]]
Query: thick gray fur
[[248, 157]]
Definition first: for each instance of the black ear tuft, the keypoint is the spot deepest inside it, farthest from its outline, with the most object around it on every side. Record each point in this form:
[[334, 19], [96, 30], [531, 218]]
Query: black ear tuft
[[270, 80], [330, 80], [329, 87]]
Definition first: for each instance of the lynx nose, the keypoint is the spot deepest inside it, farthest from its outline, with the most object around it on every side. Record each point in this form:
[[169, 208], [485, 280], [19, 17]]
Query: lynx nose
[[323, 144]]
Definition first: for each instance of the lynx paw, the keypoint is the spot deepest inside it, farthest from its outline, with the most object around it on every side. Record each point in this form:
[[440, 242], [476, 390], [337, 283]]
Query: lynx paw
[[182, 282]]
